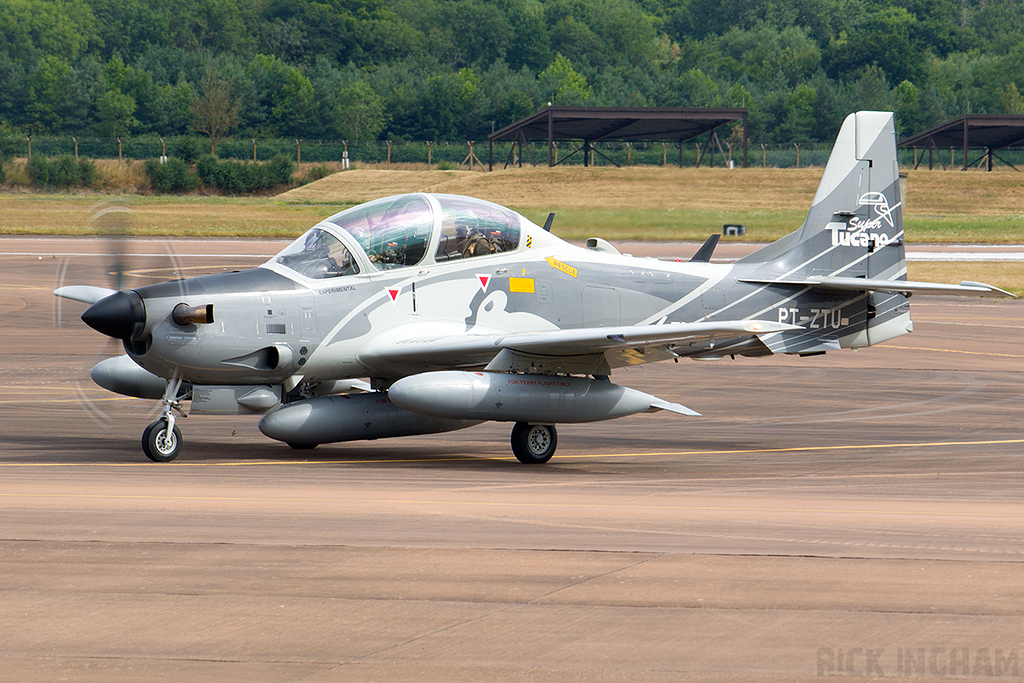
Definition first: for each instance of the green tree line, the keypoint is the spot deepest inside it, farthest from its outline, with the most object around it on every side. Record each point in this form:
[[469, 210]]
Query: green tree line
[[365, 70]]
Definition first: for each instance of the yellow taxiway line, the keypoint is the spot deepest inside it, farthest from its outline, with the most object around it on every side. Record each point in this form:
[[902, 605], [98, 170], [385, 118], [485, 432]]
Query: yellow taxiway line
[[578, 456]]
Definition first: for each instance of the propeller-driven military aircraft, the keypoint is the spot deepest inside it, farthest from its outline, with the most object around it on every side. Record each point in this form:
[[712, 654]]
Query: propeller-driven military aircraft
[[461, 311]]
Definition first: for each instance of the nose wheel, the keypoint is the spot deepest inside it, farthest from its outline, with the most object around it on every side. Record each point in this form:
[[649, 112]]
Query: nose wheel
[[533, 444], [161, 441]]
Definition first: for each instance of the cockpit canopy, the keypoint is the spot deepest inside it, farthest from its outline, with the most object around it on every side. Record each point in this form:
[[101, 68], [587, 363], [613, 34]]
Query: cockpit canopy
[[397, 232], [318, 254]]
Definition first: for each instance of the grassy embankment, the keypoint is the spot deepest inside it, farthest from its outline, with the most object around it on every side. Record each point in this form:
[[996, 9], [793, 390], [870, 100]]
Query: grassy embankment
[[638, 203]]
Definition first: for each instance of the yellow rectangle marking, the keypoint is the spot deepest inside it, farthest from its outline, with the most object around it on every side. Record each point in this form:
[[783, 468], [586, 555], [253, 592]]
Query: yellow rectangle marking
[[523, 285], [558, 265]]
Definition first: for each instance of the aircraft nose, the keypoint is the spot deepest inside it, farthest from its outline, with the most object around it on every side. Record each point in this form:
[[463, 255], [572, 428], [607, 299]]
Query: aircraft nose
[[121, 315]]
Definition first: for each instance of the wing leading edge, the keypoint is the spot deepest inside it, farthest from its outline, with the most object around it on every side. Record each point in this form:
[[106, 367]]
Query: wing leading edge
[[592, 350]]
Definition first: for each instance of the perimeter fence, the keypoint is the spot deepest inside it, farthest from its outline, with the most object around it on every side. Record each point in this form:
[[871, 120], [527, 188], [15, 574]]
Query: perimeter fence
[[454, 154]]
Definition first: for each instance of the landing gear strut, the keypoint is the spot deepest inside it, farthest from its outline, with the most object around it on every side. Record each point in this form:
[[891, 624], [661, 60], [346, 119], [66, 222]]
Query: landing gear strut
[[161, 441], [533, 444]]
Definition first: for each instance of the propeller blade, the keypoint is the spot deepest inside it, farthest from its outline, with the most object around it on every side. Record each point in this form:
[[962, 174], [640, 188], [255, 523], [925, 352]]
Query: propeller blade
[[87, 294]]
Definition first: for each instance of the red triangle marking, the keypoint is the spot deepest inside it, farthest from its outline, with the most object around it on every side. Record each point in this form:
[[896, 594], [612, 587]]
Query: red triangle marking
[[393, 292], [484, 281]]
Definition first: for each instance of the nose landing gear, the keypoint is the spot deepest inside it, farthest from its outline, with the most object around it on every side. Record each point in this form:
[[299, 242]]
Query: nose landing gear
[[161, 440]]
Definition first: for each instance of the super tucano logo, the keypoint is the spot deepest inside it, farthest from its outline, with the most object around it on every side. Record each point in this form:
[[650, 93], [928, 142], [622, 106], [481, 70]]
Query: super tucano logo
[[860, 232]]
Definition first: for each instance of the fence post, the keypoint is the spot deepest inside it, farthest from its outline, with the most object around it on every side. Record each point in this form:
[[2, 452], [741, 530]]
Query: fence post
[[120, 157], [629, 154], [254, 149], [298, 153], [664, 154], [429, 143], [389, 152], [344, 155], [29, 138], [797, 145], [556, 153], [75, 138], [764, 154]]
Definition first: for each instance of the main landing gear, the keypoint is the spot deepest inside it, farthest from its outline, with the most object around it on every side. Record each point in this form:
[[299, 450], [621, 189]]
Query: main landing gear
[[161, 441], [533, 444]]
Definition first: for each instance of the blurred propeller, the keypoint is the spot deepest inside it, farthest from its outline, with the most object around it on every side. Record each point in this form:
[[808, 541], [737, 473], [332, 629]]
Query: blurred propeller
[[103, 279]]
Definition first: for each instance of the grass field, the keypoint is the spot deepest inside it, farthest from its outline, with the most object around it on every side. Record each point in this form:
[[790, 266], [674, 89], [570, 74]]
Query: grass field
[[650, 203], [637, 203]]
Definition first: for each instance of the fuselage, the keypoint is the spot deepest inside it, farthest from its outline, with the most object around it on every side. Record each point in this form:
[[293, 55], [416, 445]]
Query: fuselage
[[317, 311]]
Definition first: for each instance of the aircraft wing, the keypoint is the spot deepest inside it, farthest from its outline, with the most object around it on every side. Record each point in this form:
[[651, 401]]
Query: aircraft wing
[[592, 339], [576, 351], [84, 293], [859, 284]]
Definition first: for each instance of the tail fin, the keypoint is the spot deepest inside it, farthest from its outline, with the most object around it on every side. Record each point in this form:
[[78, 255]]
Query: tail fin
[[853, 230], [847, 259], [855, 225]]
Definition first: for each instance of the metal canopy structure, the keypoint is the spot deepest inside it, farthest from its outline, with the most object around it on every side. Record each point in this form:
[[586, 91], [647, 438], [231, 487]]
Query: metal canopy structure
[[990, 132], [625, 124]]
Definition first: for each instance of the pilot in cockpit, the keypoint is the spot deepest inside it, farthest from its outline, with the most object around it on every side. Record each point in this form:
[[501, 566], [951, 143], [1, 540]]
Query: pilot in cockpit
[[322, 256]]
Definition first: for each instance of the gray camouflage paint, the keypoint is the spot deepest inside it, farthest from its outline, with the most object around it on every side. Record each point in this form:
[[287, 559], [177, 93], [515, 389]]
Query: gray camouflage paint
[[273, 327]]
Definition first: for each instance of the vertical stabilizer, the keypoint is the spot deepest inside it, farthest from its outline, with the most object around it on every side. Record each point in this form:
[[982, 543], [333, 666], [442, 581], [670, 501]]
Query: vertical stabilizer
[[857, 199], [854, 229]]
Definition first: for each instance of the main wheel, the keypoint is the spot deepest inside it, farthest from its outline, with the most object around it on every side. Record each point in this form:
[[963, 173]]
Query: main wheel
[[160, 444], [533, 444], [302, 446]]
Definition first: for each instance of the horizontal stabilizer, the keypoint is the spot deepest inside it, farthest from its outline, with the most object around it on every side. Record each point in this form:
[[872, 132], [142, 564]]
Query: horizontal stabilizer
[[85, 293], [859, 284]]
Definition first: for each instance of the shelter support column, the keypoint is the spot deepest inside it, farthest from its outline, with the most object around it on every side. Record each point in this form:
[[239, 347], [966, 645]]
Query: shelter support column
[[965, 143], [551, 138], [744, 139]]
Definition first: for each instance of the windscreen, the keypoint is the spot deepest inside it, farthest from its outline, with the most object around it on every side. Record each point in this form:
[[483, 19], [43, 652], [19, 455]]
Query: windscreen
[[318, 254]]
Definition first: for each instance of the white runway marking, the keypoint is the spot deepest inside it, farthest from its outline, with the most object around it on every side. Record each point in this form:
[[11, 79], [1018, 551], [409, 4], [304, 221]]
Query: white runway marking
[[964, 256]]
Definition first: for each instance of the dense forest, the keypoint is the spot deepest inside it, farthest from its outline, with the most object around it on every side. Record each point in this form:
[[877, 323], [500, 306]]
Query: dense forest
[[458, 69]]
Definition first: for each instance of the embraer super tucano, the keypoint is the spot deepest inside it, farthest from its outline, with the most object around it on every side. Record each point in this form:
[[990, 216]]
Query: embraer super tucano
[[459, 311]]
